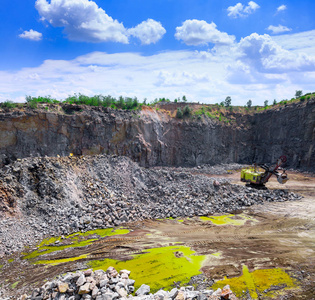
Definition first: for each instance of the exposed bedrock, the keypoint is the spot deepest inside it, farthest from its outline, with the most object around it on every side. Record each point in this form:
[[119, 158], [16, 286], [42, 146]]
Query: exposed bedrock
[[153, 138]]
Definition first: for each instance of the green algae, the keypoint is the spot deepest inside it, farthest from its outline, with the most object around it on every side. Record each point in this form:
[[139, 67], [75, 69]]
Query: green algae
[[228, 219], [76, 240], [55, 262], [258, 281], [13, 285], [158, 267], [217, 254]]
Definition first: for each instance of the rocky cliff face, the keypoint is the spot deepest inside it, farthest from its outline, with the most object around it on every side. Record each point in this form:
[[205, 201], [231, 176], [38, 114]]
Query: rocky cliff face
[[154, 138]]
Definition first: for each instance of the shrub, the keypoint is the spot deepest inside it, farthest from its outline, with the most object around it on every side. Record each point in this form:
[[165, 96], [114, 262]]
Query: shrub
[[179, 113], [186, 111], [8, 104], [302, 98]]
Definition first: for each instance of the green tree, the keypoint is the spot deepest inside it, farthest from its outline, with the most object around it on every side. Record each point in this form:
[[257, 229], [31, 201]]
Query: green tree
[[249, 103], [184, 98], [266, 103], [274, 102], [227, 101], [298, 93]]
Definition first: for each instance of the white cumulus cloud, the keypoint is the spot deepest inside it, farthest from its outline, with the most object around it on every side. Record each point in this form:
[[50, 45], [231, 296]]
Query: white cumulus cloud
[[83, 20], [149, 31], [199, 32], [32, 35], [278, 29], [264, 55], [240, 10], [281, 8]]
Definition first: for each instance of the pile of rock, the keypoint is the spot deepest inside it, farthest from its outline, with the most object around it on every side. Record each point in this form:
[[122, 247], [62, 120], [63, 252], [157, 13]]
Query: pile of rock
[[60, 196], [111, 285]]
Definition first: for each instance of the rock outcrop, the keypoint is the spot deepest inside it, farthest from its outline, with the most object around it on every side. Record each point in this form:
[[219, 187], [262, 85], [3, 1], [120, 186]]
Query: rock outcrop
[[153, 138]]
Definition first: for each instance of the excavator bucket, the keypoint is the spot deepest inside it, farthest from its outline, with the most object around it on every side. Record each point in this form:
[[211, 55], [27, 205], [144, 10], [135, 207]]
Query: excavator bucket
[[282, 178]]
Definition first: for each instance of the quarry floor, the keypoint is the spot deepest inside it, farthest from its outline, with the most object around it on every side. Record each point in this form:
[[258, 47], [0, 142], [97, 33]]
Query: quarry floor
[[274, 235]]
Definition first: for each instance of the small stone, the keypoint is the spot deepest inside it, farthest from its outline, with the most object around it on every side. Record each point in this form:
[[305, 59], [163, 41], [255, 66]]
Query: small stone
[[173, 293], [180, 296], [226, 292], [122, 292], [63, 287], [81, 280], [125, 271], [111, 271], [84, 289], [103, 283], [95, 292], [88, 272], [143, 290]]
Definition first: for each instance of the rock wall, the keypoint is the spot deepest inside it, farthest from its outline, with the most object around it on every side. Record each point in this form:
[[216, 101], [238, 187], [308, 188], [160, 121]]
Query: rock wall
[[154, 138]]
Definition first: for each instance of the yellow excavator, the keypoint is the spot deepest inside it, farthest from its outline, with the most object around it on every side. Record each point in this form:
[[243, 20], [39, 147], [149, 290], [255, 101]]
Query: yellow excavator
[[259, 176]]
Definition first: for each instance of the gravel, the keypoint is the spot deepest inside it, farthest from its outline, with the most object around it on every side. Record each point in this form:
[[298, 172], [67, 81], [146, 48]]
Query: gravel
[[45, 196]]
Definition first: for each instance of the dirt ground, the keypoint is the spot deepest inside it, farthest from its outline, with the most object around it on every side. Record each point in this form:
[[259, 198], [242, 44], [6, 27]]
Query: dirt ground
[[274, 235]]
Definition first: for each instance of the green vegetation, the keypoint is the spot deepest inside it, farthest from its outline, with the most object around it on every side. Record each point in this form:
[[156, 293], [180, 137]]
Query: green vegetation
[[75, 240], [8, 104], [258, 281], [158, 267], [298, 94], [179, 113], [13, 286], [228, 219], [221, 112], [227, 101]]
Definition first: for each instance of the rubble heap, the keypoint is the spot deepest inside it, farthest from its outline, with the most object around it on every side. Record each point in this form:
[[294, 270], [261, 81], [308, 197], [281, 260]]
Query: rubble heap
[[111, 285]]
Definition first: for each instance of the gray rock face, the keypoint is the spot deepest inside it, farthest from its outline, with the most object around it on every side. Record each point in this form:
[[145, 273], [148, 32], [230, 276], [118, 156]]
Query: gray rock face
[[152, 138]]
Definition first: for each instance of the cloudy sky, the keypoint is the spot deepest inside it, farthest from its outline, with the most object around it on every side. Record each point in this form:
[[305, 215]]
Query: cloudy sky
[[204, 49]]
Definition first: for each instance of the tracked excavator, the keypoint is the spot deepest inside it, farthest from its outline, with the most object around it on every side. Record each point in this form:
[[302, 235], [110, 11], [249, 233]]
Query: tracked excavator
[[259, 175]]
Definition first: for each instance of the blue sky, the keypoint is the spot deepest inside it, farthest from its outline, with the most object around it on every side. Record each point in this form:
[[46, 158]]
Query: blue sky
[[204, 49]]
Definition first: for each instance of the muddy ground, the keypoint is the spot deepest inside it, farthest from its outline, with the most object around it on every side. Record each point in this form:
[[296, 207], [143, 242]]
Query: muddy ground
[[273, 235]]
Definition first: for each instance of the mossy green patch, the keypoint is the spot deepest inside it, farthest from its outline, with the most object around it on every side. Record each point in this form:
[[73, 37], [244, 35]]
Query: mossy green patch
[[13, 286], [217, 254], [228, 219], [75, 240], [55, 262], [256, 281], [10, 260], [159, 267]]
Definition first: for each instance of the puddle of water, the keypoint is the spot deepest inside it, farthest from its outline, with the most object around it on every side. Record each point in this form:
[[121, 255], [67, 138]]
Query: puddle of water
[[258, 281], [159, 267]]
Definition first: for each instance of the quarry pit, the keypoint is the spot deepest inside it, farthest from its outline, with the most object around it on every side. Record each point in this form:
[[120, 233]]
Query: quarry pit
[[187, 223]]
